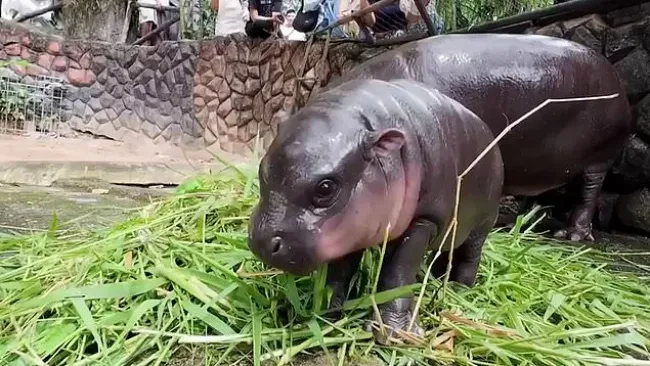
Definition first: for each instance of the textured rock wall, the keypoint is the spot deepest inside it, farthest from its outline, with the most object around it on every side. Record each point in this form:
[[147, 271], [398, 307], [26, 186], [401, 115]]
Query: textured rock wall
[[215, 94], [138, 92], [240, 89], [117, 91], [224, 92]]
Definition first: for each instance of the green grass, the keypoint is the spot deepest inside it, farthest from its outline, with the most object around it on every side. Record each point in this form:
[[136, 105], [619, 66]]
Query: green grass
[[178, 278]]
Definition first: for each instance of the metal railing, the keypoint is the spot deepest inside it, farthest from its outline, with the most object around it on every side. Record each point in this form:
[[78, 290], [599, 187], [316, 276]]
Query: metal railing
[[31, 104]]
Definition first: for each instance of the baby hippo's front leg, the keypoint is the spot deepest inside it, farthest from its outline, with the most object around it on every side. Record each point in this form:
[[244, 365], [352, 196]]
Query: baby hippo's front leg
[[401, 265], [339, 275]]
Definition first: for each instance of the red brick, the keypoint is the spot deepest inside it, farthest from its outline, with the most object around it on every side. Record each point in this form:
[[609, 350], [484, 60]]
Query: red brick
[[199, 103], [12, 38], [26, 39], [81, 77], [54, 48], [28, 55], [60, 64], [13, 49], [45, 60]]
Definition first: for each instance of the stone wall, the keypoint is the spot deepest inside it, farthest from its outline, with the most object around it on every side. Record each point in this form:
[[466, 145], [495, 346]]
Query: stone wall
[[216, 94], [224, 92], [241, 90]]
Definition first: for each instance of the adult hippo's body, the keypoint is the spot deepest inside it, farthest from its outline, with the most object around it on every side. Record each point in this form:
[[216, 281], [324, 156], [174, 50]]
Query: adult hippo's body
[[501, 78], [367, 157]]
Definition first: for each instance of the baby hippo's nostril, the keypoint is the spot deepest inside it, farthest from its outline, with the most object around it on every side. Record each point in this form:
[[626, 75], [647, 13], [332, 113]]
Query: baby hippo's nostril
[[276, 244]]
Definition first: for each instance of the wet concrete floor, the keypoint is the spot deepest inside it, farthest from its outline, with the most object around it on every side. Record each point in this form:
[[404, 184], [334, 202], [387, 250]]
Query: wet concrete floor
[[85, 205]]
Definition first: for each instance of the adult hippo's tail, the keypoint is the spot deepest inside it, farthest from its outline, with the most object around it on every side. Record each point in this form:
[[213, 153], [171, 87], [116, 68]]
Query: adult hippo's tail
[[501, 78]]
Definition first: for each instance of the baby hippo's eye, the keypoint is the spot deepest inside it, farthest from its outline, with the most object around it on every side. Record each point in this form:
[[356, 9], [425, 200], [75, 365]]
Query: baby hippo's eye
[[325, 192]]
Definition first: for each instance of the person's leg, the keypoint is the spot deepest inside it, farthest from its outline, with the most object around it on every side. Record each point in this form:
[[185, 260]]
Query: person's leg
[[147, 20], [368, 19], [146, 28], [161, 17]]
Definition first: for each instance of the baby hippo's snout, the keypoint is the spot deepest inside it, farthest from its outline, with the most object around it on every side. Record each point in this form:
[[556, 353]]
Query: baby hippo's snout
[[274, 247], [288, 251], [266, 246]]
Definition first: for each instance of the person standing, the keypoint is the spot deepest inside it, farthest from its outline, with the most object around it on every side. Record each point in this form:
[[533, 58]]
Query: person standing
[[149, 20], [403, 17], [232, 16], [287, 30], [265, 18]]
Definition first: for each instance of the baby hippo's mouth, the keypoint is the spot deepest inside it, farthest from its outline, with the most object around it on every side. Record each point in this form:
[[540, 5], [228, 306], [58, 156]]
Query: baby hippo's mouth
[[291, 253]]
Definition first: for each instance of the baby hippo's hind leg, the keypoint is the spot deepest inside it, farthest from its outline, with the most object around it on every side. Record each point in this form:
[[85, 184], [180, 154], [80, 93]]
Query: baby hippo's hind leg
[[466, 258]]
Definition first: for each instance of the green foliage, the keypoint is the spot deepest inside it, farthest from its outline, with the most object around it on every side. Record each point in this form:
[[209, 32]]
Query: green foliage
[[179, 274], [197, 23], [88, 6], [13, 100], [472, 12]]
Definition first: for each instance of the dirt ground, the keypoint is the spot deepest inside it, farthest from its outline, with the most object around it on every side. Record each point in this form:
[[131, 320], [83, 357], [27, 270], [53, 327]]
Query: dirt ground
[[47, 148], [42, 160]]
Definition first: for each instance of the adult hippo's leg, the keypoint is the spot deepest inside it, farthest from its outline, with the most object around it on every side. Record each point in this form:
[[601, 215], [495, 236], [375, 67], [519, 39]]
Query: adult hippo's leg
[[401, 265], [580, 223]]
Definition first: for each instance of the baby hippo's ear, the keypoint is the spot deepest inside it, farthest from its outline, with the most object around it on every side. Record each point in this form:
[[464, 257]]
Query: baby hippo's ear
[[384, 142]]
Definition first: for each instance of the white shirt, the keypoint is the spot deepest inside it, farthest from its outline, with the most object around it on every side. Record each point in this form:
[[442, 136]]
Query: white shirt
[[231, 17], [291, 34]]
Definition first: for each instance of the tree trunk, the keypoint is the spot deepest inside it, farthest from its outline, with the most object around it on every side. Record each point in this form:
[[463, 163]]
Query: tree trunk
[[100, 20]]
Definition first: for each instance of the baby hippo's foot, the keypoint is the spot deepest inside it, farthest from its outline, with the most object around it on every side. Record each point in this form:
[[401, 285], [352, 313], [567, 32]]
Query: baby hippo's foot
[[395, 327], [575, 233], [333, 314], [335, 311]]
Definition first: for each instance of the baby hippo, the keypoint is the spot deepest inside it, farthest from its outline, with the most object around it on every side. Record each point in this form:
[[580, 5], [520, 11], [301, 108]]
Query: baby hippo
[[370, 155]]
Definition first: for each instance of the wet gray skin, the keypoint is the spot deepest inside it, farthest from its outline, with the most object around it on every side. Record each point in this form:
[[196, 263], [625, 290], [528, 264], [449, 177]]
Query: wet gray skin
[[365, 155], [501, 78]]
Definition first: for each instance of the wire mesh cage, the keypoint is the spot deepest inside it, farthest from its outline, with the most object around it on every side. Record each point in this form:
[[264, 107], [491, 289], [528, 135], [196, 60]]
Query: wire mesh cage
[[31, 105]]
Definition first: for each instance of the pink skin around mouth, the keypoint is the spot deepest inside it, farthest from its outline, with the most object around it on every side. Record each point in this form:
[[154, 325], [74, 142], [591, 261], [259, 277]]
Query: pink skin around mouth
[[363, 223]]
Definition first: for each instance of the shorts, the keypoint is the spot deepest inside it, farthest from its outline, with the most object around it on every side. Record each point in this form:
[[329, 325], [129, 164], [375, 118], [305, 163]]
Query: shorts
[[389, 18], [147, 14]]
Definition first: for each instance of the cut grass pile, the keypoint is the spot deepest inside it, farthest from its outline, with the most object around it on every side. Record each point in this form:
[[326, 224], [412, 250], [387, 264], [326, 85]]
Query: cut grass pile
[[179, 274]]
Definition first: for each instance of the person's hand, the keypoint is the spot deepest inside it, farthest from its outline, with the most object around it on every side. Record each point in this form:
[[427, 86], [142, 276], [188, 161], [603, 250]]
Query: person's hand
[[277, 18]]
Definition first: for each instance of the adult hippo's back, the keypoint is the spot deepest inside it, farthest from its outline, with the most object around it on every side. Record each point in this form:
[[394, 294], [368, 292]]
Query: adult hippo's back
[[501, 78]]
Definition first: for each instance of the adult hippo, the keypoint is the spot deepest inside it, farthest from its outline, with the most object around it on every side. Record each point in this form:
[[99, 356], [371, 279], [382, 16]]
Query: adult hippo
[[501, 78], [369, 156]]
